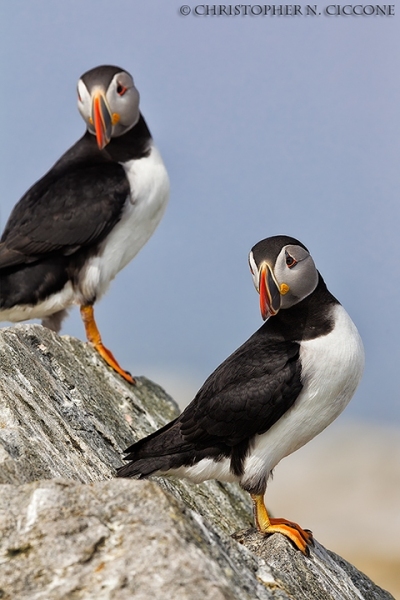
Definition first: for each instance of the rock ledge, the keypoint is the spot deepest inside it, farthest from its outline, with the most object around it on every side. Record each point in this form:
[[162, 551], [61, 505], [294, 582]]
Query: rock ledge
[[69, 530]]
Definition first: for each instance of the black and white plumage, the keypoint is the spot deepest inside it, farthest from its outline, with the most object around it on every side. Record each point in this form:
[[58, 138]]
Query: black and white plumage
[[79, 225], [281, 388]]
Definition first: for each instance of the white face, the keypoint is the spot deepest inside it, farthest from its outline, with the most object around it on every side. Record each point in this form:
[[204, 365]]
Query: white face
[[254, 272], [295, 268], [121, 100]]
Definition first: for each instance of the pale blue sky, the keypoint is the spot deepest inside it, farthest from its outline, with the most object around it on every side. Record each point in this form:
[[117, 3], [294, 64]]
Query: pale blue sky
[[282, 125]]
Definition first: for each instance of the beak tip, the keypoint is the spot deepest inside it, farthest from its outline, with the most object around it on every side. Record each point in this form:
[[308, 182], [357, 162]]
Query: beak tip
[[101, 144]]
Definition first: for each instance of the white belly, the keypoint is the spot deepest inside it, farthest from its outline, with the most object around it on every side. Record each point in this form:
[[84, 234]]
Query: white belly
[[149, 181], [332, 366], [205, 469]]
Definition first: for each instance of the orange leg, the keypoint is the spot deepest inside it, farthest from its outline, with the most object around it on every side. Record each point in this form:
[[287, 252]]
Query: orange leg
[[94, 337], [301, 538]]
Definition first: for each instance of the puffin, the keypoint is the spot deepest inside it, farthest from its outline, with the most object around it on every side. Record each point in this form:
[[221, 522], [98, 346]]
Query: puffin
[[86, 219], [274, 394]]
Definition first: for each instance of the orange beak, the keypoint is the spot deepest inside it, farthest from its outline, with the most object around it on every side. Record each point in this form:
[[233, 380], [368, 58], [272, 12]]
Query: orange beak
[[102, 120], [270, 297]]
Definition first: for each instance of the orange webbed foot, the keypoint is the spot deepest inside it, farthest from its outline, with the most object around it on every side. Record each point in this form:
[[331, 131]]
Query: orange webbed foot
[[301, 538], [111, 361], [93, 336]]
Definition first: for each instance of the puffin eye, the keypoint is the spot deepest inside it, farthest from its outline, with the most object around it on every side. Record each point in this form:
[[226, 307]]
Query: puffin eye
[[290, 261], [121, 89]]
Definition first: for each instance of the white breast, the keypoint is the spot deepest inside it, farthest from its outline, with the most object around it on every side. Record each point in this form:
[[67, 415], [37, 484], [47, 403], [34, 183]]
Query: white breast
[[149, 185], [332, 366]]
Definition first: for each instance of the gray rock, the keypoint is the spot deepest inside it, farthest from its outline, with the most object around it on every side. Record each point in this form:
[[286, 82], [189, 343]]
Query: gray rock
[[125, 539], [322, 576], [71, 531]]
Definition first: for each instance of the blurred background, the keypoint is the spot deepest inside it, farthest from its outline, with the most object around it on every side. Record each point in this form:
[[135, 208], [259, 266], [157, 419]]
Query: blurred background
[[267, 125]]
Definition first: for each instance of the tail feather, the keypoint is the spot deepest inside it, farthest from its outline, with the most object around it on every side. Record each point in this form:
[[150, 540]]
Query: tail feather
[[150, 443], [143, 467], [160, 451], [165, 450]]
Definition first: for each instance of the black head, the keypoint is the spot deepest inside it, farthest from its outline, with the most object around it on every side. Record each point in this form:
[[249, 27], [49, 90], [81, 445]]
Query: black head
[[283, 272], [108, 102]]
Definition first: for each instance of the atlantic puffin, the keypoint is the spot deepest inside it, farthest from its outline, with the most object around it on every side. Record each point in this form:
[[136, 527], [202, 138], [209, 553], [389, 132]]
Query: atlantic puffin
[[86, 219], [274, 394]]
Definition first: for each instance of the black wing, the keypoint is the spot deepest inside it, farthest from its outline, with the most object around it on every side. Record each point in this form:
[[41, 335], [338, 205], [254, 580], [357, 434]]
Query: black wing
[[76, 204], [246, 394]]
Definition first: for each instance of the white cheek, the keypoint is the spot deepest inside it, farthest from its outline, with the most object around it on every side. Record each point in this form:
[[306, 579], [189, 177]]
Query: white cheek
[[127, 105], [254, 271], [84, 104], [281, 272]]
